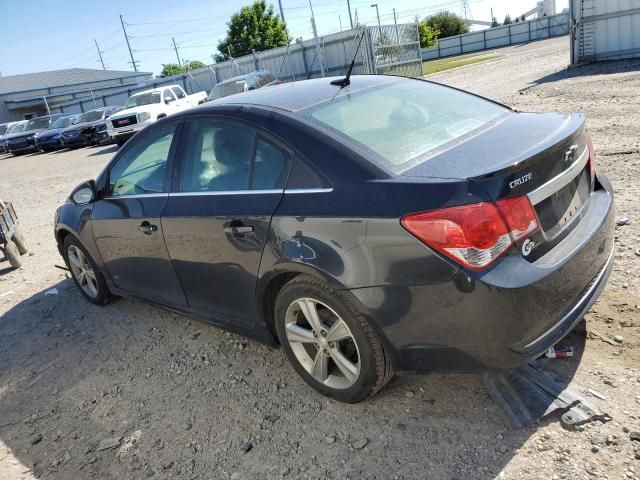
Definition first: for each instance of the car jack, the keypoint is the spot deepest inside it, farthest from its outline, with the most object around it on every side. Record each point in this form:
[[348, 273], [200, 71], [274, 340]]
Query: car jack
[[527, 394]]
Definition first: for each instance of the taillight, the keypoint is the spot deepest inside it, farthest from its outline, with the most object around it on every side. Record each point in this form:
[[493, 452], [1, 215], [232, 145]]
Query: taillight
[[592, 160], [474, 235]]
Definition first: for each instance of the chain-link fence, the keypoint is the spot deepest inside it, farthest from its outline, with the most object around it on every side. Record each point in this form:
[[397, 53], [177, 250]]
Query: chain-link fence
[[396, 50], [384, 50]]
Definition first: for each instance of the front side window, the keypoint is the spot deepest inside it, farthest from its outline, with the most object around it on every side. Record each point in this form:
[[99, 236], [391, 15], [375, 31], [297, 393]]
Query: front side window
[[141, 169], [37, 123], [217, 156], [405, 121], [179, 93]]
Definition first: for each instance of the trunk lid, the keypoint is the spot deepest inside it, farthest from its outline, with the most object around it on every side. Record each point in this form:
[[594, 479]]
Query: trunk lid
[[542, 155]]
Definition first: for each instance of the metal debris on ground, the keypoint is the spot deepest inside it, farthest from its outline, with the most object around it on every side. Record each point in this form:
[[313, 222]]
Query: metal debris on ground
[[527, 394], [106, 444], [559, 351], [53, 291], [595, 393], [623, 221]]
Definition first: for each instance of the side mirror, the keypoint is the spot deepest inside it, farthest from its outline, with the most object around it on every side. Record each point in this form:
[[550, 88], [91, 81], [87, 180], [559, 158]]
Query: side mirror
[[168, 100], [84, 193]]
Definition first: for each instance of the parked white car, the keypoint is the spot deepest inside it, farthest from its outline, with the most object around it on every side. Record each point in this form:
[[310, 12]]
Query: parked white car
[[147, 107]]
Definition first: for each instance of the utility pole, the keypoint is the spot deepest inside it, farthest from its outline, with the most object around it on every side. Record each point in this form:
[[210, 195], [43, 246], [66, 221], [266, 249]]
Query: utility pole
[[340, 22], [99, 54], [318, 49], [395, 22], [126, 37], [46, 105], [281, 11], [175, 47], [377, 12], [350, 19]]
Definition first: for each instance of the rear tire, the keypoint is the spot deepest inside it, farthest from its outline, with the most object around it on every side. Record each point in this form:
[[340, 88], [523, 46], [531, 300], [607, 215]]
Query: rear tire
[[12, 254], [85, 272], [338, 353], [20, 241]]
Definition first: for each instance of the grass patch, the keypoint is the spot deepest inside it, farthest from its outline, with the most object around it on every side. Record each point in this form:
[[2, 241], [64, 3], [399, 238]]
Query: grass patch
[[434, 66]]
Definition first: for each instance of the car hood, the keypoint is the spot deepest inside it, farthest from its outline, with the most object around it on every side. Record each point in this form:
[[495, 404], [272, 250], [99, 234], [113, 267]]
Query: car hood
[[50, 132], [26, 133], [80, 126], [133, 110]]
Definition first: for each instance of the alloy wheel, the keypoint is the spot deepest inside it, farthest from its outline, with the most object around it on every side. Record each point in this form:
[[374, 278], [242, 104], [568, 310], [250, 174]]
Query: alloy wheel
[[323, 343], [82, 271]]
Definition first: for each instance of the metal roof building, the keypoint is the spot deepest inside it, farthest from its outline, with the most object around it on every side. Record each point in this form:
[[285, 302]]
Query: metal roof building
[[23, 96]]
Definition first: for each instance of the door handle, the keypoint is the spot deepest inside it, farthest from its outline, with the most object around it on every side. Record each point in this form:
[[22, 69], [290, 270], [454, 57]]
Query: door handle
[[238, 229], [147, 228]]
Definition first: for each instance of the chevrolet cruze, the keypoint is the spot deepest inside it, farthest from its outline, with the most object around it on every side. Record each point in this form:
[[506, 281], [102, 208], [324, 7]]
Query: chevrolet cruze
[[391, 225]]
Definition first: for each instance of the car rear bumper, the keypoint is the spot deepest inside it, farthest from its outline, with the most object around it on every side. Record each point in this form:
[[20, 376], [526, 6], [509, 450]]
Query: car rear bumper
[[506, 316]]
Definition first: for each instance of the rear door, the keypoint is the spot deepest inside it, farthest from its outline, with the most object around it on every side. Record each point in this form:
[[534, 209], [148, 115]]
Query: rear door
[[231, 180], [126, 221]]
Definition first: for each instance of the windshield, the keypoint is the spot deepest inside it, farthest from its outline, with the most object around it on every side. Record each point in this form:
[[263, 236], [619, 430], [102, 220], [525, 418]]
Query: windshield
[[405, 121], [143, 99], [226, 89], [62, 122], [91, 116], [19, 127], [37, 123]]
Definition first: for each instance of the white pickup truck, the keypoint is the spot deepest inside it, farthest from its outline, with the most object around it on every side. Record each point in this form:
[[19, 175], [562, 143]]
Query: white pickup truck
[[147, 107]]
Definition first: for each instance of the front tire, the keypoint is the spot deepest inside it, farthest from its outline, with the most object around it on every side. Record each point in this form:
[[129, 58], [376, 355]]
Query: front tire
[[85, 272], [13, 254], [329, 342], [20, 241]]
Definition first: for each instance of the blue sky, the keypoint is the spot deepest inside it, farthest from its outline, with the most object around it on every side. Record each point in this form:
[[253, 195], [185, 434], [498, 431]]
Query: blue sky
[[38, 35]]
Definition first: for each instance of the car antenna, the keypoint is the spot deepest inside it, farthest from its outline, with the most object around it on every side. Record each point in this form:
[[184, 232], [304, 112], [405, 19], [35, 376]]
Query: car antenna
[[345, 82]]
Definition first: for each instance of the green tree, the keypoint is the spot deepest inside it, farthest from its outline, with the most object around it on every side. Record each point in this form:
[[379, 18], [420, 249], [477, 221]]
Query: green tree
[[169, 69], [255, 27], [447, 24], [507, 20], [494, 22], [428, 36], [523, 18], [192, 65]]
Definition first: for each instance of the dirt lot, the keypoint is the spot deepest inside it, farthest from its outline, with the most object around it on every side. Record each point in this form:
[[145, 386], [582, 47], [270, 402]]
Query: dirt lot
[[183, 399]]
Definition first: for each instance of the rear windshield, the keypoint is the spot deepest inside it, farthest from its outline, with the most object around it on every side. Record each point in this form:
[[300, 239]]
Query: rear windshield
[[405, 121], [226, 89]]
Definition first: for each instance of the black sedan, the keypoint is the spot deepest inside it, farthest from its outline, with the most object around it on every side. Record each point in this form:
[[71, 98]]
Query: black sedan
[[392, 225], [90, 128], [25, 140]]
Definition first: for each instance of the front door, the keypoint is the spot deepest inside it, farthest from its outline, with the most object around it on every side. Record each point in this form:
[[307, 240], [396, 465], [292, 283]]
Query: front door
[[217, 219], [126, 221]]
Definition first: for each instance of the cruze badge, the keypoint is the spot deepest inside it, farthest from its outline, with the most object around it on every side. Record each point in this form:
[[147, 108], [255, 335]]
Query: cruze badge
[[527, 246], [570, 154], [519, 181]]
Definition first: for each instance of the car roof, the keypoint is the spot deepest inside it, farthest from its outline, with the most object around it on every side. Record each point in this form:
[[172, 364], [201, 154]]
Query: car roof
[[256, 73], [295, 96]]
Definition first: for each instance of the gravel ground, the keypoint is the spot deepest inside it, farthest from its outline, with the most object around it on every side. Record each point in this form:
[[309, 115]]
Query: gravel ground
[[130, 391]]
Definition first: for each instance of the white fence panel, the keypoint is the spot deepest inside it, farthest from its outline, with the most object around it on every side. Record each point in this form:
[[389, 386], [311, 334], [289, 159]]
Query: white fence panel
[[502, 36]]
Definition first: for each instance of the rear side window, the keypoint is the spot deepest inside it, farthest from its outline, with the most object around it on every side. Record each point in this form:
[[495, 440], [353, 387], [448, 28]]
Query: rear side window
[[404, 121], [217, 156], [269, 168]]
